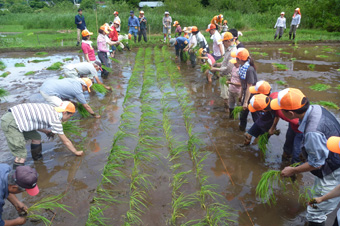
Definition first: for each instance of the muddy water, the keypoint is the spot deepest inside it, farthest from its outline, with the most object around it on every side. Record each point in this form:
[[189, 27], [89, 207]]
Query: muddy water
[[60, 171]]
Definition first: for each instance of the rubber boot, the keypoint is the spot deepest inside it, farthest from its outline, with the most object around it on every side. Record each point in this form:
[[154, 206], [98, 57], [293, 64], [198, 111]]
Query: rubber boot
[[293, 36], [280, 37], [310, 223], [36, 150], [231, 113], [16, 164], [275, 37], [290, 36]]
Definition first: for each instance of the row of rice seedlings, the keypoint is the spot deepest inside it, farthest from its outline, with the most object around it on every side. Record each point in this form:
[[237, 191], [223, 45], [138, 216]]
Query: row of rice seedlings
[[5, 74], [2, 65], [56, 66], [38, 61], [320, 87], [112, 173], [99, 88], [206, 190], [30, 73]]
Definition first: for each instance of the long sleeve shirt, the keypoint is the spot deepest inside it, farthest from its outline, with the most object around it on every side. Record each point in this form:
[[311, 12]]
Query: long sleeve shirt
[[101, 43], [296, 20], [167, 21], [281, 22], [181, 44], [133, 22], [78, 19]]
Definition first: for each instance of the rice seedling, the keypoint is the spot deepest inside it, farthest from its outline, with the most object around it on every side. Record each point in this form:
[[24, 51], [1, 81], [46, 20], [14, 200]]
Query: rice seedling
[[2, 65], [223, 80], [180, 204], [306, 51], [96, 217], [306, 196], [293, 58], [281, 83], [311, 67], [321, 56], [205, 67], [56, 66], [328, 49], [48, 203], [327, 104], [67, 59], [115, 60], [265, 187], [61, 77], [280, 66], [3, 93], [41, 53], [38, 61], [82, 111], [320, 87], [19, 65], [5, 74], [286, 53], [236, 112], [107, 68], [99, 88], [69, 127], [263, 141], [30, 73]]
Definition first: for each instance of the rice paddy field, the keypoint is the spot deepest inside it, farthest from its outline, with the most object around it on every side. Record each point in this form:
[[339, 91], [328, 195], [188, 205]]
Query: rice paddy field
[[164, 152]]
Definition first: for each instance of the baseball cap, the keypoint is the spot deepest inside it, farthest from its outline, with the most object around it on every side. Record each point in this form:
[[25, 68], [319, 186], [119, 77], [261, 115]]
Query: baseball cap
[[258, 102], [66, 106], [288, 99], [166, 12], [261, 87], [85, 33], [283, 13], [104, 28], [211, 27], [27, 177], [132, 12], [194, 28], [115, 12], [172, 41], [175, 23], [141, 12], [186, 30], [225, 21], [88, 83], [227, 36], [333, 144], [116, 22], [242, 54]]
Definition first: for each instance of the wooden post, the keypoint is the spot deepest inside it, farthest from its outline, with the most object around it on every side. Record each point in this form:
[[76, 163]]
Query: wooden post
[[149, 32], [96, 20]]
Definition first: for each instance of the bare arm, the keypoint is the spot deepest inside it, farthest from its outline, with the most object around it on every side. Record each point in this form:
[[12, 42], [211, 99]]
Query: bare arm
[[246, 98], [20, 207], [221, 49], [16, 221], [289, 171], [69, 145], [272, 129], [89, 109], [87, 58], [332, 194]]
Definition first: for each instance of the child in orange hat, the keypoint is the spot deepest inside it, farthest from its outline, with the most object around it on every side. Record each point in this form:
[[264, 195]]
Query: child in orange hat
[[178, 30]]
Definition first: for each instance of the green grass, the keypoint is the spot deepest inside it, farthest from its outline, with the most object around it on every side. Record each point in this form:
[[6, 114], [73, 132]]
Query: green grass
[[327, 104], [30, 72], [41, 53], [38, 61], [56, 66], [281, 83], [99, 88], [320, 87], [19, 65], [2, 65], [280, 66], [5, 74], [321, 56], [311, 67]]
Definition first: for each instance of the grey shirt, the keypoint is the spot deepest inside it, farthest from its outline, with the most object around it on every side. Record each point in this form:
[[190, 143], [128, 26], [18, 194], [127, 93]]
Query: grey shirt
[[65, 89], [85, 68]]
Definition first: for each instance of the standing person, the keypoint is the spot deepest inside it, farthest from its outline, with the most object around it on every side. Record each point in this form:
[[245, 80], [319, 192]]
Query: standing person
[[225, 26], [295, 23], [79, 20], [167, 20], [280, 25], [22, 122], [178, 30], [117, 19], [103, 42], [55, 91], [114, 38], [143, 28], [133, 25], [218, 49], [180, 43], [14, 182], [234, 87], [317, 125], [235, 33], [86, 46], [217, 20], [248, 77]]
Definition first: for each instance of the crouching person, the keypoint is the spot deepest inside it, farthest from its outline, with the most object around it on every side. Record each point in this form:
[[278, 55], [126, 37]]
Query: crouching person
[[22, 122]]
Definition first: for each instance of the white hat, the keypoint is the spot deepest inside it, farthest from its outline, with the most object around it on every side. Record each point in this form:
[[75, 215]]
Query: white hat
[[166, 12], [283, 13], [141, 12]]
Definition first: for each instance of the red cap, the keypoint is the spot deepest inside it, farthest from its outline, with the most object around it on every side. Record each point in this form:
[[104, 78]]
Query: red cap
[[27, 177]]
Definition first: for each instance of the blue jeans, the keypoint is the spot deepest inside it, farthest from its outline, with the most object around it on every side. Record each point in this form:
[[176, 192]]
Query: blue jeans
[[293, 144], [133, 31]]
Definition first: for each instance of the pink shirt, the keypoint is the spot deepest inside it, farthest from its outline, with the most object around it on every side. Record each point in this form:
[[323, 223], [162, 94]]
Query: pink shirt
[[87, 49], [235, 78], [211, 60], [101, 43]]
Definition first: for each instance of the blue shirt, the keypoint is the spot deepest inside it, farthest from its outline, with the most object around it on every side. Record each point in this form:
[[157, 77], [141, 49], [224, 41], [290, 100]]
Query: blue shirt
[[81, 19], [315, 143], [4, 171], [296, 20], [181, 43], [133, 22]]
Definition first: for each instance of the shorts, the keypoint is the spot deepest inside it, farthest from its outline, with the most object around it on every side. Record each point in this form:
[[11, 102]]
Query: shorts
[[16, 140], [133, 31], [166, 30]]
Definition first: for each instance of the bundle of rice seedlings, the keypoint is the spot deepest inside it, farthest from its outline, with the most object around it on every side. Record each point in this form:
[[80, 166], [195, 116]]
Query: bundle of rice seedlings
[[69, 127], [306, 196], [282, 83], [48, 203], [321, 56], [19, 65], [107, 68], [61, 77], [236, 112], [2, 65], [293, 58], [56, 66], [82, 111], [320, 87], [311, 67], [67, 59], [205, 67], [280, 66], [327, 104], [328, 49], [115, 60], [99, 88], [30, 73], [264, 188], [41, 53], [5, 74], [223, 81], [263, 141], [286, 53], [185, 56], [38, 61], [3, 92]]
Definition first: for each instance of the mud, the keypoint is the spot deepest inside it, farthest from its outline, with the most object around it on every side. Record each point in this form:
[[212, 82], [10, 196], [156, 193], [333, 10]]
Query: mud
[[60, 171]]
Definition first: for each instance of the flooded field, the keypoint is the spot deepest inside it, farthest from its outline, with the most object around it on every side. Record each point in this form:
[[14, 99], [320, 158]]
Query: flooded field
[[162, 114]]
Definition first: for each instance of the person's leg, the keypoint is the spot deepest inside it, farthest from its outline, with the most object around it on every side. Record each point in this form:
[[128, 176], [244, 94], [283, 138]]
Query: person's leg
[[280, 32], [135, 35], [277, 32], [294, 31], [289, 144], [139, 35], [254, 131], [232, 102], [144, 35], [78, 36], [243, 119], [51, 100], [290, 31], [36, 147]]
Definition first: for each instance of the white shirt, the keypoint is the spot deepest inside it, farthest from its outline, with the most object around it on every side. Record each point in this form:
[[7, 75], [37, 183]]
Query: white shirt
[[217, 39], [115, 20], [193, 41], [281, 22]]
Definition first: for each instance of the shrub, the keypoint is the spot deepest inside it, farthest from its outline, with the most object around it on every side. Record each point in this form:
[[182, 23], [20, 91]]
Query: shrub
[[20, 8], [332, 24]]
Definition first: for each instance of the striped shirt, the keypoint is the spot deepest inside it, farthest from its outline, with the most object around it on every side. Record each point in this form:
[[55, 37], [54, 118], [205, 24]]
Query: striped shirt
[[35, 116]]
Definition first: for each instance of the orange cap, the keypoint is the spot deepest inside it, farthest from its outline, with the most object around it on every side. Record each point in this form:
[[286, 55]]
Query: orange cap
[[227, 36], [88, 83], [200, 51], [333, 144], [258, 102], [175, 23], [66, 106], [243, 54], [115, 12], [233, 54], [194, 28], [85, 33], [261, 87], [288, 99], [225, 21], [104, 28], [210, 27]]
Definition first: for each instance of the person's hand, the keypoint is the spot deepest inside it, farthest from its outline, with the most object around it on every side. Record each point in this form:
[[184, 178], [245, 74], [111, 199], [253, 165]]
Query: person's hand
[[107, 87], [96, 116], [49, 134], [297, 26], [315, 201], [245, 106], [271, 131], [288, 171], [79, 153], [20, 220], [229, 82], [80, 22], [21, 207]]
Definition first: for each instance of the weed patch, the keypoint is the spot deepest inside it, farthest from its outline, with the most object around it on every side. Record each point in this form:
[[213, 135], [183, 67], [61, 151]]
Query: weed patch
[[320, 87]]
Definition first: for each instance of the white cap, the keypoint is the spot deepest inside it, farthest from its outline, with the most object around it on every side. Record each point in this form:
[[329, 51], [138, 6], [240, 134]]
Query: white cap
[[166, 12], [141, 12], [283, 13]]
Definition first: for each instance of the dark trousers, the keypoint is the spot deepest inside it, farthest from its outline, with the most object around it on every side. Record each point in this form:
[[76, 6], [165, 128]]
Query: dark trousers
[[140, 33], [104, 60], [244, 116], [293, 144]]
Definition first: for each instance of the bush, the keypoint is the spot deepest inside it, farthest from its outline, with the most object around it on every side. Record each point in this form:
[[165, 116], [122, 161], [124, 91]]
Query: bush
[[332, 24], [20, 8], [37, 4], [87, 4]]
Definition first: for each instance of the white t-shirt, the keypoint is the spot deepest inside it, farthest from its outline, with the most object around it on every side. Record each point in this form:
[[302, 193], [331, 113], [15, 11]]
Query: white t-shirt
[[217, 39], [193, 41]]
